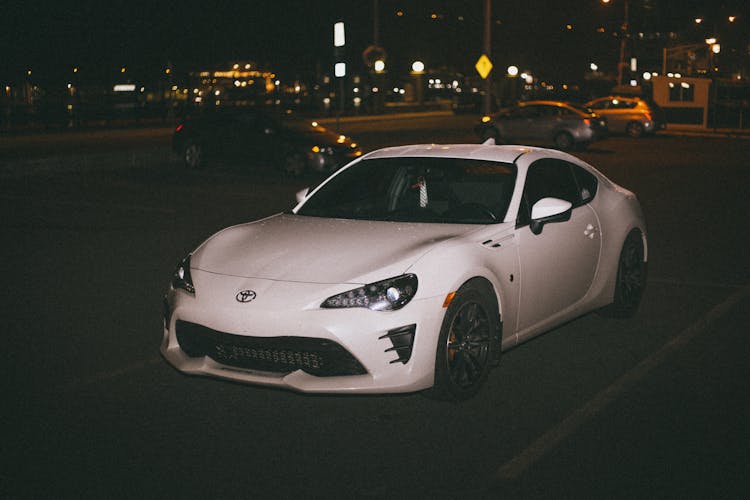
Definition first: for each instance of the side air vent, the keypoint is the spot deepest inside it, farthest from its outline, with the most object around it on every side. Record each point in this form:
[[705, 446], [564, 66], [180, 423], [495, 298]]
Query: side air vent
[[497, 242], [402, 340]]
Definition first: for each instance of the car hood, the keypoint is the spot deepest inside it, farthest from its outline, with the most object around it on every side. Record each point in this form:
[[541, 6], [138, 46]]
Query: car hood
[[288, 247]]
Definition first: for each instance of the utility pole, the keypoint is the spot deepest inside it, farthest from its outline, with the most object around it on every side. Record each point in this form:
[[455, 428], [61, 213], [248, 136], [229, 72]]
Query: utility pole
[[623, 38], [486, 105]]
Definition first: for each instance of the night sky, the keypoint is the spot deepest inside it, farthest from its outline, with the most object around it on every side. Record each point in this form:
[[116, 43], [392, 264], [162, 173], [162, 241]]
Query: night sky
[[294, 38]]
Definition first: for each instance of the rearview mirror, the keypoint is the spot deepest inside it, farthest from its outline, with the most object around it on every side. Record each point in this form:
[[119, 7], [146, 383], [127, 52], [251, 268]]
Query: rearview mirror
[[548, 210]]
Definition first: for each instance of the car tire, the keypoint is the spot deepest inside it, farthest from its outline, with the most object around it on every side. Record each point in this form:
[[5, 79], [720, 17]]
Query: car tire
[[634, 130], [192, 155], [631, 278], [564, 141], [469, 343], [294, 163]]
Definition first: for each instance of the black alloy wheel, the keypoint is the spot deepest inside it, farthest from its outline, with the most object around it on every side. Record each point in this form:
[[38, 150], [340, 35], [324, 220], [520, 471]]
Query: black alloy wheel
[[193, 155], [631, 278], [294, 163], [564, 141], [467, 336], [634, 130]]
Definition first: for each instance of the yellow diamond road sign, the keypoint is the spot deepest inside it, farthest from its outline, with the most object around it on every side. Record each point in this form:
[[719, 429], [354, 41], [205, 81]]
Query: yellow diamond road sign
[[483, 66]]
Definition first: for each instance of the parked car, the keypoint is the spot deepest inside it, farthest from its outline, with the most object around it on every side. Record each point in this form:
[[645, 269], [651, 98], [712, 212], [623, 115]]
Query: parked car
[[630, 115], [248, 135], [563, 125], [411, 268]]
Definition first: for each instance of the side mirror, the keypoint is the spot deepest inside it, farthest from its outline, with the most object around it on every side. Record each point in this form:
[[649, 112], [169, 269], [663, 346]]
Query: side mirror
[[302, 194], [548, 210]]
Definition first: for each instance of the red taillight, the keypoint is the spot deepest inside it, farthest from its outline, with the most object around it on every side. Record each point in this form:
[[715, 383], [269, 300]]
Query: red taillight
[[179, 127], [586, 121]]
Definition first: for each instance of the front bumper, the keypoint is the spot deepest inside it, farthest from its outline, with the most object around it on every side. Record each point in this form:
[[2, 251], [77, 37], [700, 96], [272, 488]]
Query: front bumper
[[302, 347]]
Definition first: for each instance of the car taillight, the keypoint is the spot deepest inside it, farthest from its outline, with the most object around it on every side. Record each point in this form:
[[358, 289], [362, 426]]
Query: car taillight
[[179, 127], [586, 121]]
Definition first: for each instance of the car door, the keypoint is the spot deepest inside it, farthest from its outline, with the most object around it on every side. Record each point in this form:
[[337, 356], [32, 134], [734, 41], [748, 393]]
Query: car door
[[518, 124], [256, 137], [557, 265], [544, 119]]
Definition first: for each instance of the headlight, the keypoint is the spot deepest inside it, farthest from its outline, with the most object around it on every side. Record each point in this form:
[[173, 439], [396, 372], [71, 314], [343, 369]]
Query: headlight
[[181, 277], [386, 295]]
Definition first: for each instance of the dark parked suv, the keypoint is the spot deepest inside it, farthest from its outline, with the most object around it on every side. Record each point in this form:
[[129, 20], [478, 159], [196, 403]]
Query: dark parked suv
[[243, 135], [564, 125]]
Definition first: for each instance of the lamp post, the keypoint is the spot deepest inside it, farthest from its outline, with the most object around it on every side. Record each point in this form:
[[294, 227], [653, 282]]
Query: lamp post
[[417, 69], [623, 36], [339, 41]]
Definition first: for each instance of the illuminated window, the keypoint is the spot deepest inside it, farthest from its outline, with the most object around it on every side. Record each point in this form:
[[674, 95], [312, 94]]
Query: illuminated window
[[681, 92]]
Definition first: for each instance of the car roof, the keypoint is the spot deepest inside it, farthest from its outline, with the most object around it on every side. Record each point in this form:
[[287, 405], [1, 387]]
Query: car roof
[[503, 153], [619, 97], [544, 103]]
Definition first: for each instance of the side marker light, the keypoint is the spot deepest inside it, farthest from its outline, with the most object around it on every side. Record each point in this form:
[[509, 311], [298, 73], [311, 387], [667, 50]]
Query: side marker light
[[448, 299]]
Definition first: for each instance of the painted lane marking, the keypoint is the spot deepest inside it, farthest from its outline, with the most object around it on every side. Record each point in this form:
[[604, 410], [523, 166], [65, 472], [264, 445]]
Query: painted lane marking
[[515, 467]]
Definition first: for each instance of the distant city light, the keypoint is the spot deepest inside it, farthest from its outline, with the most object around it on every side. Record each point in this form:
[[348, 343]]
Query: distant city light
[[379, 66], [513, 70], [339, 70], [339, 38], [124, 87], [593, 67], [417, 67]]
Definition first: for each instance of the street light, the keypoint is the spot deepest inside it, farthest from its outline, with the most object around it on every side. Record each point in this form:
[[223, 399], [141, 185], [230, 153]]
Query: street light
[[714, 48], [623, 36], [417, 69]]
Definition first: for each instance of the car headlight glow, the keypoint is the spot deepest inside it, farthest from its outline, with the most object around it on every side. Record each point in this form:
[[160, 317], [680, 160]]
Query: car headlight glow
[[386, 295], [181, 278]]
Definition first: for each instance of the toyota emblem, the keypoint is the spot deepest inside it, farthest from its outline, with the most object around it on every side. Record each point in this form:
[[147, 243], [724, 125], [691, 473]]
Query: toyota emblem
[[245, 296]]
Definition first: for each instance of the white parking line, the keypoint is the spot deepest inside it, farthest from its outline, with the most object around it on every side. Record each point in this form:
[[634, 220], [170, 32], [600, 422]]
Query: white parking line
[[553, 437]]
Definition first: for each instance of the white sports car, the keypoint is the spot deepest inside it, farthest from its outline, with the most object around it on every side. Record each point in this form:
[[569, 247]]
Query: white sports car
[[411, 268]]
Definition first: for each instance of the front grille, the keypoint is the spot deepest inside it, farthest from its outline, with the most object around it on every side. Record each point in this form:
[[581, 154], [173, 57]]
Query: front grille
[[319, 357]]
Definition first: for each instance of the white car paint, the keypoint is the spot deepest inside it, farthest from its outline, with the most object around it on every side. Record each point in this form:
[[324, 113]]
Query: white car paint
[[294, 262]]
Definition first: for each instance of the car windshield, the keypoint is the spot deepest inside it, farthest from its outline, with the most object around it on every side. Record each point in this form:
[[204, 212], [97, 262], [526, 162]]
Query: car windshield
[[421, 189]]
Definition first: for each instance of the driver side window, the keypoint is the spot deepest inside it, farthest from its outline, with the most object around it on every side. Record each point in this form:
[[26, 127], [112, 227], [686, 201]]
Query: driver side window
[[548, 178]]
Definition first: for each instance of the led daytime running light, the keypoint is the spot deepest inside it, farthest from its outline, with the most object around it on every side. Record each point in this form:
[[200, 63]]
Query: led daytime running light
[[387, 295]]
